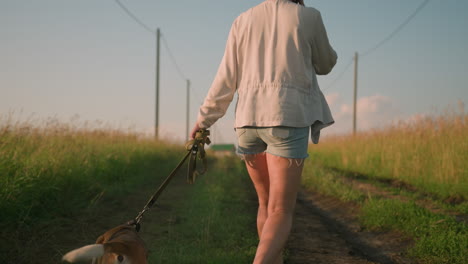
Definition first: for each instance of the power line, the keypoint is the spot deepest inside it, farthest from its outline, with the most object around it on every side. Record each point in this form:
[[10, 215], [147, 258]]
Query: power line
[[158, 36], [338, 77], [400, 27], [130, 14], [176, 65], [378, 45], [173, 58]]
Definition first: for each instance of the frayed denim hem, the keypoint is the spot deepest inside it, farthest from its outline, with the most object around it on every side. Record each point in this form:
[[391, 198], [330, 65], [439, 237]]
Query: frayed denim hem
[[249, 159]]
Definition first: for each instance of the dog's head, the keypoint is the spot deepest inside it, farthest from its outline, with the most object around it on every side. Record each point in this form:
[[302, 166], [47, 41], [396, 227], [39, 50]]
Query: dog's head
[[120, 245]]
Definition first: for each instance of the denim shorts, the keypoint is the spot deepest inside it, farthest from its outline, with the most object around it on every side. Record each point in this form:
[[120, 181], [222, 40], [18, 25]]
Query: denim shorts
[[287, 142]]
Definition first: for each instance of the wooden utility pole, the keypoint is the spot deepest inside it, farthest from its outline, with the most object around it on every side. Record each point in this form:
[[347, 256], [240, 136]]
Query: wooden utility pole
[[355, 92], [156, 125], [188, 112]]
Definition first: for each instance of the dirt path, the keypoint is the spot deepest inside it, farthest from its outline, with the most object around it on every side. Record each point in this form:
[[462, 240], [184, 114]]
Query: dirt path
[[325, 231]]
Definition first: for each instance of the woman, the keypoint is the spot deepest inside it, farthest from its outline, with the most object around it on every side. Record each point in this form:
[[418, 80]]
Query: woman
[[274, 52]]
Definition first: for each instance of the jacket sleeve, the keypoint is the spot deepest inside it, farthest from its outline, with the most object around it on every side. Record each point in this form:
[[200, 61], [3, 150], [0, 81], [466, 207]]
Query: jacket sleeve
[[323, 56], [223, 87]]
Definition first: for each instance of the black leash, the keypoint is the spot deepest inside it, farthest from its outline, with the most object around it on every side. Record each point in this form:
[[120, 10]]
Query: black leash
[[194, 147]]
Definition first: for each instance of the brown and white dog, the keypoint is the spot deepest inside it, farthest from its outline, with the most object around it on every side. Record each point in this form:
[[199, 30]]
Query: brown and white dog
[[120, 245]]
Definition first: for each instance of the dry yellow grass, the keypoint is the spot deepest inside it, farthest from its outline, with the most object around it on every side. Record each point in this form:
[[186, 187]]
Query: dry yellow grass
[[429, 152], [49, 162]]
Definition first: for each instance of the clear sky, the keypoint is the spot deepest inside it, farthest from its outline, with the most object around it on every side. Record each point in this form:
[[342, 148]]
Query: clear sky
[[89, 59]]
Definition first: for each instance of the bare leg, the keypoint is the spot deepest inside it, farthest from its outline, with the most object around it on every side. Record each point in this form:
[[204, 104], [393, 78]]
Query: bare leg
[[284, 178], [258, 171]]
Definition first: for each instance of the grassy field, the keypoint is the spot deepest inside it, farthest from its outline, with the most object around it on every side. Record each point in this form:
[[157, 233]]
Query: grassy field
[[62, 186], [53, 170], [429, 154], [417, 182]]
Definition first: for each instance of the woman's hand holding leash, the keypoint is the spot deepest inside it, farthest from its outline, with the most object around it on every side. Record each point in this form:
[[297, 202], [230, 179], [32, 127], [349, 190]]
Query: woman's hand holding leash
[[194, 131]]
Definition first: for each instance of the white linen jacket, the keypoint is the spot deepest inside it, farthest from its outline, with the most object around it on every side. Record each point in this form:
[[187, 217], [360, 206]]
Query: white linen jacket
[[273, 53]]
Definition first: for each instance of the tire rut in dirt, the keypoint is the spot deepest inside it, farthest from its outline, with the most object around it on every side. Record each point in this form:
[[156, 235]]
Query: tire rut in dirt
[[363, 183], [318, 236]]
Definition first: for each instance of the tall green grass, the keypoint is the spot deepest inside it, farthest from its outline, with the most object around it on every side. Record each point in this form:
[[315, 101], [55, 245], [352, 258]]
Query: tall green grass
[[429, 153], [55, 170]]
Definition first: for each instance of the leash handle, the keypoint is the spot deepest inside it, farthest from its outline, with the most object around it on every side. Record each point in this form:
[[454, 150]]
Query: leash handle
[[201, 138], [197, 146]]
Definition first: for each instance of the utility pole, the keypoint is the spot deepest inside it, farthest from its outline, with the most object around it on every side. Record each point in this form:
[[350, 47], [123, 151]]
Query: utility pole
[[156, 125], [188, 111], [355, 92]]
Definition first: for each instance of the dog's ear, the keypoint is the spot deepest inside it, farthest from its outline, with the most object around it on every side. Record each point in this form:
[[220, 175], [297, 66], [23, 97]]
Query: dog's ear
[[100, 239], [84, 253], [117, 247], [109, 234]]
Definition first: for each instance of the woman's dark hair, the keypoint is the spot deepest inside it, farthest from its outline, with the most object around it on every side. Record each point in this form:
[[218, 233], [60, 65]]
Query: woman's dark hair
[[300, 2]]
